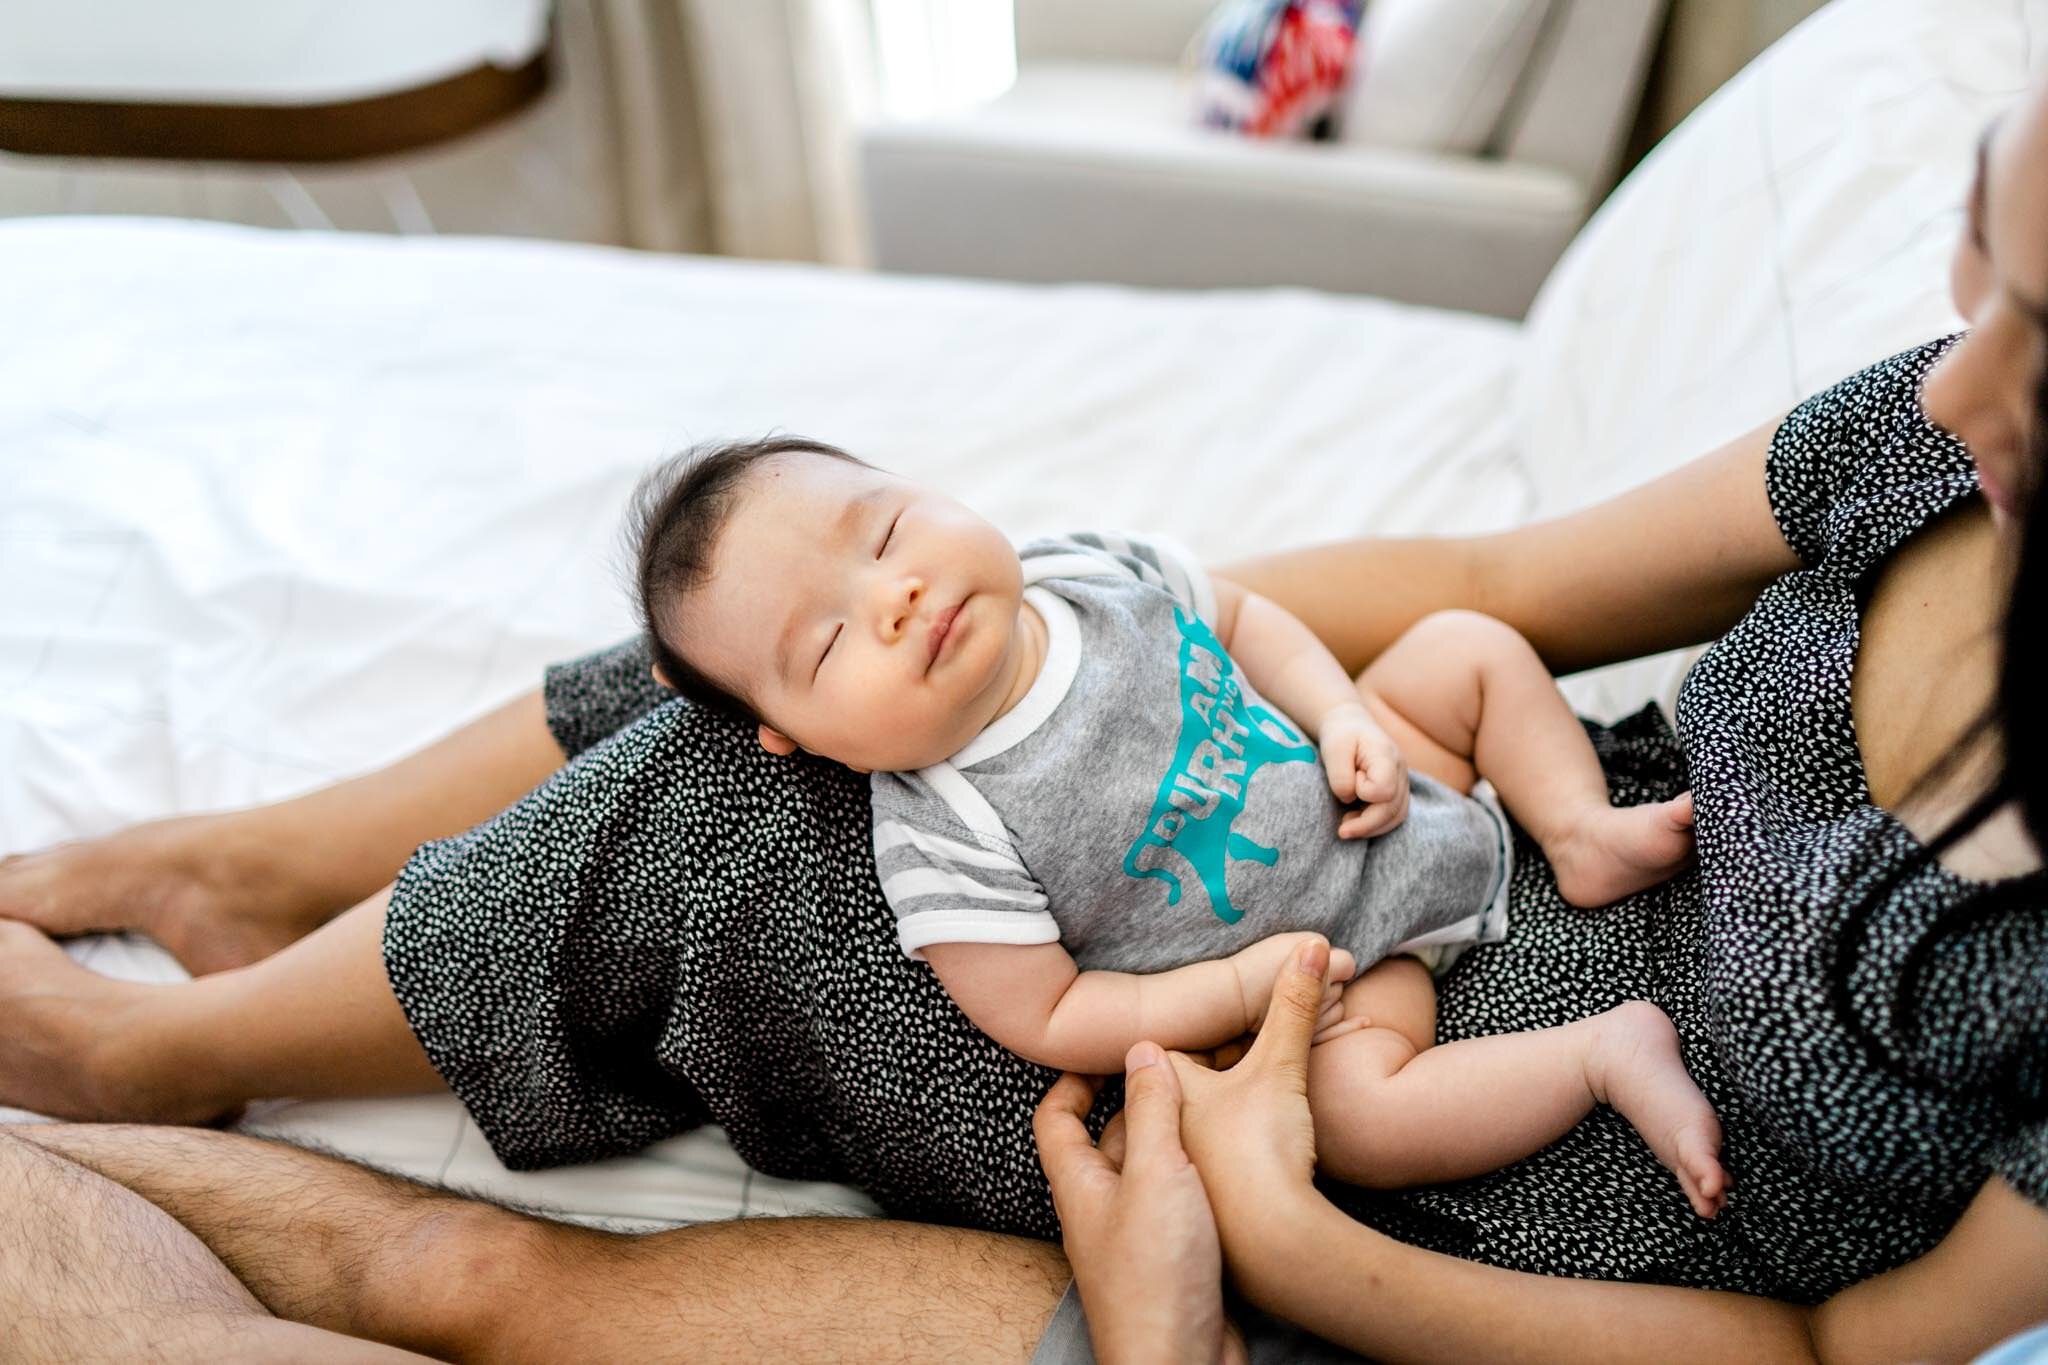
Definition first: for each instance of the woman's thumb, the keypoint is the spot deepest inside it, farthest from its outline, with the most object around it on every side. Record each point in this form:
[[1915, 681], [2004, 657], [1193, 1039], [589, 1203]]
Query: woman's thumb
[[1296, 1005]]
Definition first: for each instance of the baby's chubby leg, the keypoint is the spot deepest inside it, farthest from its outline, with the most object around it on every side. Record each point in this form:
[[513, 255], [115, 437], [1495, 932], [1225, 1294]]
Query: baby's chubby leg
[[1465, 696], [1392, 1110]]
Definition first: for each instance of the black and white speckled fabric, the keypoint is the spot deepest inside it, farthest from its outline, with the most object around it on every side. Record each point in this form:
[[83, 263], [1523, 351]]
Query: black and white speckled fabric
[[680, 926], [677, 926]]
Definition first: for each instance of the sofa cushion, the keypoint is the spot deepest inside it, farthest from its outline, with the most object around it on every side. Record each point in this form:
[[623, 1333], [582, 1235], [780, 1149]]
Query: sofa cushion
[[1435, 75]]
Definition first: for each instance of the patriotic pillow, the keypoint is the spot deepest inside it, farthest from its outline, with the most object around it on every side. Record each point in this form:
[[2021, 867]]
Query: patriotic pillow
[[1274, 68]]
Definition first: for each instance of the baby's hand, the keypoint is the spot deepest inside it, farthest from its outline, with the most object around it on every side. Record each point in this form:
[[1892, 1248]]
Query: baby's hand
[[1363, 764], [1259, 965]]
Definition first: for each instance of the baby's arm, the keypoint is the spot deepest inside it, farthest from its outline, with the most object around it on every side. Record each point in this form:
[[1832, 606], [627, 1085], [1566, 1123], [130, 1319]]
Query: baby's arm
[[1293, 670], [1033, 1000]]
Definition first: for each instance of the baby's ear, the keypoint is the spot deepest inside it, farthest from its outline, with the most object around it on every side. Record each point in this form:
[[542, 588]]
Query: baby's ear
[[775, 742]]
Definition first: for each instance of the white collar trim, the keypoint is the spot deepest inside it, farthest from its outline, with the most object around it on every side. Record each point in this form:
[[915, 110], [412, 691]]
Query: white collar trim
[[1048, 689]]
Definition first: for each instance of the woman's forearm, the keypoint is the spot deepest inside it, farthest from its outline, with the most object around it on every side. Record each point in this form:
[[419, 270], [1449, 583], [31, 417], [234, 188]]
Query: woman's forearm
[[1359, 595], [1311, 1264], [1674, 562]]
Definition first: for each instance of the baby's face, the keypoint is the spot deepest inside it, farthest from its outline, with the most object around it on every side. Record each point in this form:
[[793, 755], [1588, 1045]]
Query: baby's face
[[863, 617]]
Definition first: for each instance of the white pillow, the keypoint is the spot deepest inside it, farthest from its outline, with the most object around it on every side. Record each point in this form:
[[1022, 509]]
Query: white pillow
[[1434, 75]]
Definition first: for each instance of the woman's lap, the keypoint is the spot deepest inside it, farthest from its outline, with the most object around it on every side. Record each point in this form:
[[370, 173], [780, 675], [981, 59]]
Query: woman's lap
[[679, 927]]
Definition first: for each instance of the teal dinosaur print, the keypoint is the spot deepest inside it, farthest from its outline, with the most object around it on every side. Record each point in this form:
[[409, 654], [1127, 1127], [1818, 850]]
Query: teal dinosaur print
[[1223, 743]]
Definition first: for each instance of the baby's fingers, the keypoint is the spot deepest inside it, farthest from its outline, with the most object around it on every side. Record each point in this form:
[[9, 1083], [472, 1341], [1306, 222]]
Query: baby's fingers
[[1373, 820], [1382, 774], [1332, 1012], [1341, 767]]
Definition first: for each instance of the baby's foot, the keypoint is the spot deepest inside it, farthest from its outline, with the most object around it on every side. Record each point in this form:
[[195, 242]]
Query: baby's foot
[[1635, 1067], [1618, 850]]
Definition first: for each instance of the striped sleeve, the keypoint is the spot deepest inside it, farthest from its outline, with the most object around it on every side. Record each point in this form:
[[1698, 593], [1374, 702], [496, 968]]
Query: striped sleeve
[[949, 869], [1151, 558]]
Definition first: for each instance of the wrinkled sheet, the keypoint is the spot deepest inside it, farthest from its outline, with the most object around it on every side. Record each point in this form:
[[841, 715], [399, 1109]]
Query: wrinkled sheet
[[279, 508]]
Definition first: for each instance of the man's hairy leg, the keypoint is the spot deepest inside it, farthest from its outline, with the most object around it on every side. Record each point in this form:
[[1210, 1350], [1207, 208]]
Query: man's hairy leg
[[90, 1271], [224, 889], [323, 1242]]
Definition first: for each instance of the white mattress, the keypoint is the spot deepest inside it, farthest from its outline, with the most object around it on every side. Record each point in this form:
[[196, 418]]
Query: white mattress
[[280, 508]]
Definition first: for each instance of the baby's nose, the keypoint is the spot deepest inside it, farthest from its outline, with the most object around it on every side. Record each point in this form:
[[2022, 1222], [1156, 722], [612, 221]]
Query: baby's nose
[[899, 605]]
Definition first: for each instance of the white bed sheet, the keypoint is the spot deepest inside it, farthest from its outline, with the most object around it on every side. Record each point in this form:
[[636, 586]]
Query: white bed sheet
[[279, 508]]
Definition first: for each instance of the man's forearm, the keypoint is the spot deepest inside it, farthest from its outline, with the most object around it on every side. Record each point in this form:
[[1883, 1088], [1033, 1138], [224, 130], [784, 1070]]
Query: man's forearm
[[321, 1241]]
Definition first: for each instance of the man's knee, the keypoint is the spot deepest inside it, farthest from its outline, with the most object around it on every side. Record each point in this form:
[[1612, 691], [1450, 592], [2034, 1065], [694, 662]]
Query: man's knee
[[457, 1277]]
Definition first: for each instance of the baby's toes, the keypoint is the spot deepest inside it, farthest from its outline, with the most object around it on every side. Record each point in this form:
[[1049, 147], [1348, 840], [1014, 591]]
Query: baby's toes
[[1700, 1171], [1679, 810]]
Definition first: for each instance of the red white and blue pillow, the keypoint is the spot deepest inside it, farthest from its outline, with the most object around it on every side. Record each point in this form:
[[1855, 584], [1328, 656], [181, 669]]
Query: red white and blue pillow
[[1274, 68]]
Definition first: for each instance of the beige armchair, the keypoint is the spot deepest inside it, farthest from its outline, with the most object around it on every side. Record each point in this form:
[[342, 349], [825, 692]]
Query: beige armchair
[[1091, 168]]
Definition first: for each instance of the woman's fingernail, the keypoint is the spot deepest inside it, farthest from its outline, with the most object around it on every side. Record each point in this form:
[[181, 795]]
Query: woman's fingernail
[[1141, 1056], [1314, 957]]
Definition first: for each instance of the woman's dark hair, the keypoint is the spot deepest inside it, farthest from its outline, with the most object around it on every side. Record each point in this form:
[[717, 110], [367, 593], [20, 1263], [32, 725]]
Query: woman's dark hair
[[2015, 729], [678, 511]]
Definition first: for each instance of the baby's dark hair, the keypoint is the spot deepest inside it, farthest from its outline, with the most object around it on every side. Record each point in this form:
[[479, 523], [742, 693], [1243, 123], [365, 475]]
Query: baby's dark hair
[[678, 512]]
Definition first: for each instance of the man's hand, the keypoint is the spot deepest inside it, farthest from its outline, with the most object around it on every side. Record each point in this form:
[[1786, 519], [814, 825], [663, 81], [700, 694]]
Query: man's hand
[[1136, 1225], [1363, 764]]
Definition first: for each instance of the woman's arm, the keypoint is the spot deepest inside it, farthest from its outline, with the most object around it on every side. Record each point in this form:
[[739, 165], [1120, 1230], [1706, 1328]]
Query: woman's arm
[[1249, 1133], [1984, 1282], [1674, 562]]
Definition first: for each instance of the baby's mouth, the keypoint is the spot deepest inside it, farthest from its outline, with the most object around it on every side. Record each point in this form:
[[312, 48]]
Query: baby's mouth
[[942, 628]]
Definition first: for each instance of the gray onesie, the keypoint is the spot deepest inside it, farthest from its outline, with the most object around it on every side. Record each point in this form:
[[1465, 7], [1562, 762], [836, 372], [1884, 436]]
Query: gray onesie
[[1143, 807]]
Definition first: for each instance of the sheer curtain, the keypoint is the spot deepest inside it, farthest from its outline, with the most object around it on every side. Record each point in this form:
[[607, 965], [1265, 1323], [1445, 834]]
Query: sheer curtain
[[784, 86], [940, 54]]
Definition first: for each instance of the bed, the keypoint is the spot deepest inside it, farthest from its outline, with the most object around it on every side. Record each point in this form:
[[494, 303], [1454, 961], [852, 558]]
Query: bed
[[281, 507]]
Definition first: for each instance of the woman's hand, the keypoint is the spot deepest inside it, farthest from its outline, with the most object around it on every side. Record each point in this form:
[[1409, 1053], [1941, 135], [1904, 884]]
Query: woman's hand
[[1260, 964], [1248, 1129], [1138, 1231]]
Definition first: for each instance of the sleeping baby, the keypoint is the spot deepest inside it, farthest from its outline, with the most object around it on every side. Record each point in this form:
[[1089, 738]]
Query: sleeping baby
[[1113, 792]]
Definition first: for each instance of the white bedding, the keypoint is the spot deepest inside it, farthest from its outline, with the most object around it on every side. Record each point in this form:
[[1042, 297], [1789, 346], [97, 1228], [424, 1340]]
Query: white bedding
[[275, 509], [280, 508]]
